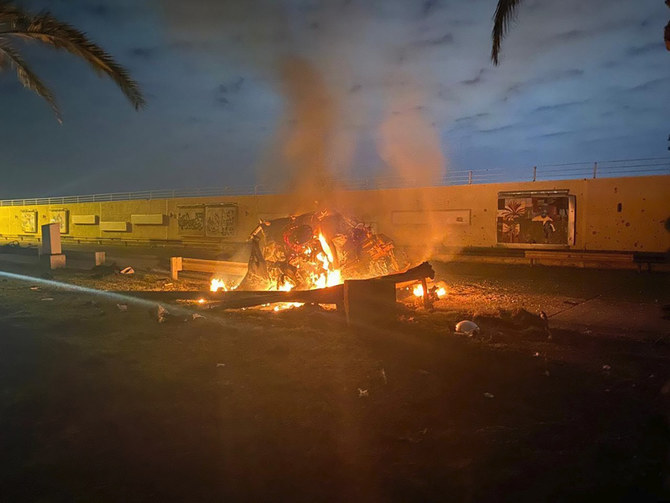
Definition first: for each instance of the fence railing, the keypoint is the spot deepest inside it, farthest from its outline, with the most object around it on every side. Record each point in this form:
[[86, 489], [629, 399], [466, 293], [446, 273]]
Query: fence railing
[[546, 172]]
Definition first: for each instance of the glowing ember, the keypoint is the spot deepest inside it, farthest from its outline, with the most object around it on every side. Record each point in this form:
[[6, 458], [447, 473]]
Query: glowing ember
[[201, 301], [286, 305]]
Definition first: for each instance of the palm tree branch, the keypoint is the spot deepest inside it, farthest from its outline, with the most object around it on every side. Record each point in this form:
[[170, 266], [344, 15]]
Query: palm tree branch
[[9, 56], [47, 29], [504, 15]]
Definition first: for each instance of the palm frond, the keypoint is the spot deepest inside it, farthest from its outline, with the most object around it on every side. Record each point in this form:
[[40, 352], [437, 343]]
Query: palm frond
[[47, 29], [10, 57], [505, 12]]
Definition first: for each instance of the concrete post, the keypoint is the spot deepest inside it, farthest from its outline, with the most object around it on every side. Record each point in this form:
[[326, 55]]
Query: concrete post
[[51, 247]]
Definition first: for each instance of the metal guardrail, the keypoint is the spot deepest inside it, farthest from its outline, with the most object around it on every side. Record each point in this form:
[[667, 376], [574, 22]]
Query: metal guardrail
[[546, 172]]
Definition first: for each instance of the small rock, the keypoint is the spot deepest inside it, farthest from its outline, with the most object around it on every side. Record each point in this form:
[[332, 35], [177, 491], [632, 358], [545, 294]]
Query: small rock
[[122, 307], [607, 368], [362, 393], [489, 395], [47, 298]]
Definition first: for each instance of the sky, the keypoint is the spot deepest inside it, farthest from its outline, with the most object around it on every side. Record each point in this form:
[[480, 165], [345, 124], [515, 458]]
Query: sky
[[242, 92]]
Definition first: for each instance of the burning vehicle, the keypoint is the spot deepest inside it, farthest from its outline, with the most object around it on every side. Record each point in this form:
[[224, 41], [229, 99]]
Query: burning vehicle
[[317, 250]]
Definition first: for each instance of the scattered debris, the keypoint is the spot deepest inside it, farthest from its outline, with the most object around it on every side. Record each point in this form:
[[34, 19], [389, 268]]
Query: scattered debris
[[362, 393], [162, 314], [467, 327], [489, 395], [127, 270], [168, 284], [122, 307], [383, 373]]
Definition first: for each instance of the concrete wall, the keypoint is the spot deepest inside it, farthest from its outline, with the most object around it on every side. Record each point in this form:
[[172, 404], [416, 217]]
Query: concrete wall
[[452, 216]]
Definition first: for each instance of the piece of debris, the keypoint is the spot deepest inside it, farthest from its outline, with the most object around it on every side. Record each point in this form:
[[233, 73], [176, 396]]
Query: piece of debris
[[383, 373], [537, 354], [362, 393], [607, 368], [35, 288], [47, 298], [467, 327], [219, 365], [122, 307], [546, 372], [127, 270], [162, 314], [489, 395], [168, 284], [423, 372], [196, 316]]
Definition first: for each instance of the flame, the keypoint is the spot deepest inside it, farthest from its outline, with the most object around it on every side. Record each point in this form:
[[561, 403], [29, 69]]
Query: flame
[[286, 287], [440, 292], [330, 275], [217, 284]]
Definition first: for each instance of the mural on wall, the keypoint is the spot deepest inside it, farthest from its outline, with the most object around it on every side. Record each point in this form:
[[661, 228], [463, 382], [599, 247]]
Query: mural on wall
[[191, 220], [60, 216], [29, 221], [221, 221], [536, 219]]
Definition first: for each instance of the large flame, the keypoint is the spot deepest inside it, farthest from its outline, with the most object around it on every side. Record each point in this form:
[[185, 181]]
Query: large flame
[[330, 275]]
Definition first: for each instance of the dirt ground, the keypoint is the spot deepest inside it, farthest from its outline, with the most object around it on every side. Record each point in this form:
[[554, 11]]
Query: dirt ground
[[103, 404]]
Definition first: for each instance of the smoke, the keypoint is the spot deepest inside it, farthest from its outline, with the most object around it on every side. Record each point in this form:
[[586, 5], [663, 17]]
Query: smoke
[[357, 98]]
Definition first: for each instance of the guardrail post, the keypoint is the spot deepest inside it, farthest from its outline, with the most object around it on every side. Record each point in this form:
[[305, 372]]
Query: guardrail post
[[595, 169], [534, 173], [469, 177]]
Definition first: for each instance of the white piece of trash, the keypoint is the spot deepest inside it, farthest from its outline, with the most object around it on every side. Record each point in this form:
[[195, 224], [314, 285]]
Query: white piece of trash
[[362, 393], [122, 307], [127, 270], [489, 395], [467, 327]]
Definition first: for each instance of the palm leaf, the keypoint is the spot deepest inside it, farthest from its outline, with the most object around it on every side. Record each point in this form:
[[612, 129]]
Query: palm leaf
[[47, 29], [10, 57], [504, 15]]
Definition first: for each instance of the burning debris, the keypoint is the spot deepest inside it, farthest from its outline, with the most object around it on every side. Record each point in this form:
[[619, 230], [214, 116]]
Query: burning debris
[[315, 250]]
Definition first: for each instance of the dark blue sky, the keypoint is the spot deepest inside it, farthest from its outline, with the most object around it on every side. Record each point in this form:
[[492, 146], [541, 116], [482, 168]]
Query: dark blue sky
[[241, 91]]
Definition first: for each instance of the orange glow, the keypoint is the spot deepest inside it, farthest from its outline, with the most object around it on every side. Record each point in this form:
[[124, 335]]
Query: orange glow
[[418, 290]]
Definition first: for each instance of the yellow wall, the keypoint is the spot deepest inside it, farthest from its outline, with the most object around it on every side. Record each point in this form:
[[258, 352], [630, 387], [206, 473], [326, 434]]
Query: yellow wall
[[640, 226]]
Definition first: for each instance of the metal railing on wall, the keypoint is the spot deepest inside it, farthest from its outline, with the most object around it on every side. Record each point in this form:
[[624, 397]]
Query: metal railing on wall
[[546, 172]]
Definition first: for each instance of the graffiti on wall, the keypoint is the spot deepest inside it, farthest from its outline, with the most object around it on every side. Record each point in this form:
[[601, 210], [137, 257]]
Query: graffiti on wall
[[221, 221], [29, 221], [191, 220], [541, 219], [216, 221], [60, 217]]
